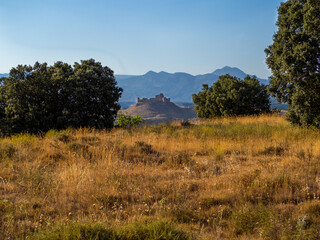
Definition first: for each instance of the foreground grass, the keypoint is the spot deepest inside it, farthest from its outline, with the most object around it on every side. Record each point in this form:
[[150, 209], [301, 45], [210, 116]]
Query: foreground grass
[[233, 178], [145, 231]]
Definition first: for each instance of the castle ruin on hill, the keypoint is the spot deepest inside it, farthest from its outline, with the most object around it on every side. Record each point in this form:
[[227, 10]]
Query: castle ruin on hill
[[157, 98]]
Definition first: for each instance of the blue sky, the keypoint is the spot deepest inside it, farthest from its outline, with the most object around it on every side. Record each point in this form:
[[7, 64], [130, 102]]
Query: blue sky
[[135, 36]]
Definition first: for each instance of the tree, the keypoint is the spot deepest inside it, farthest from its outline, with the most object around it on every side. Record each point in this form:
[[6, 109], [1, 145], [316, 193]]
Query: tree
[[230, 96], [92, 96], [294, 59], [41, 97]]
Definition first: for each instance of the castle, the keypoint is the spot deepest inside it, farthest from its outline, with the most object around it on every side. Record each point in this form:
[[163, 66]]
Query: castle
[[157, 98]]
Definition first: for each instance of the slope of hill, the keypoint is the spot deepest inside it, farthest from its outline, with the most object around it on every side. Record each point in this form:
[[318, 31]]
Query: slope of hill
[[158, 111], [179, 86]]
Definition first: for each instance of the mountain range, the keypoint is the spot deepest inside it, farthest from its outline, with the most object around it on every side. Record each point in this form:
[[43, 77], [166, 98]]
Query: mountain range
[[178, 86]]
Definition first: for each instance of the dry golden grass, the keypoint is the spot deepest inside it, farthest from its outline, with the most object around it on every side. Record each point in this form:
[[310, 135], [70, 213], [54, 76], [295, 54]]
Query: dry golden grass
[[229, 178]]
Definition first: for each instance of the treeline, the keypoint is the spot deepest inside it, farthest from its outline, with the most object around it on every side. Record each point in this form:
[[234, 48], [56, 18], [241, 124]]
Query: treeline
[[41, 97]]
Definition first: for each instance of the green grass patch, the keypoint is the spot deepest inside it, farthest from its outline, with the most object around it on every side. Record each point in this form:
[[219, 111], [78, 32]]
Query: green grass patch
[[158, 230], [25, 139]]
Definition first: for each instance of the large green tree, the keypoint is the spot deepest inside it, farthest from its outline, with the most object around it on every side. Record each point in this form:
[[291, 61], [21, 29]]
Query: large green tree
[[294, 59], [41, 97], [230, 96]]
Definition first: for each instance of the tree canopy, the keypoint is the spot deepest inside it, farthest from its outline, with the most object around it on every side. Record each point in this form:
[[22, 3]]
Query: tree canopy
[[231, 96], [41, 97], [294, 59]]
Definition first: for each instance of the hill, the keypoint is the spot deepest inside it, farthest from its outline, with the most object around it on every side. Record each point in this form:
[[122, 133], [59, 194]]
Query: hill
[[160, 111], [179, 86]]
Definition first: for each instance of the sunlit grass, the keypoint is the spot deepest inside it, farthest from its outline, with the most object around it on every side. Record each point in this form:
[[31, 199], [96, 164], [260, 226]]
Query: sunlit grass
[[243, 177]]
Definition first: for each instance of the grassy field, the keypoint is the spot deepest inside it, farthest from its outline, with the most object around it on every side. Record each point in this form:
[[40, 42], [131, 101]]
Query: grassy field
[[232, 178]]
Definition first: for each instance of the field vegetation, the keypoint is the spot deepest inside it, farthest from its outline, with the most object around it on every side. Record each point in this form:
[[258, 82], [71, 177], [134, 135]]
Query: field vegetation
[[227, 178]]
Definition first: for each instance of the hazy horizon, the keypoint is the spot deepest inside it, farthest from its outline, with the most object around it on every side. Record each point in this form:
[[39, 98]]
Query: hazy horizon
[[134, 37]]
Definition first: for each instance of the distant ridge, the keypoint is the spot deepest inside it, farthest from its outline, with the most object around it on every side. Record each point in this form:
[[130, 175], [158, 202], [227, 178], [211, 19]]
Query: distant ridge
[[178, 86], [4, 75]]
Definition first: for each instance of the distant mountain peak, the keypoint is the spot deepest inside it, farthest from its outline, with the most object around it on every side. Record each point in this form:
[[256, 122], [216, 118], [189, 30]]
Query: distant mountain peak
[[233, 71], [228, 68]]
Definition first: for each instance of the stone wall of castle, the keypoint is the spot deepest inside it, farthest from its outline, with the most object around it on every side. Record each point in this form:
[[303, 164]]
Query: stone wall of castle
[[157, 98]]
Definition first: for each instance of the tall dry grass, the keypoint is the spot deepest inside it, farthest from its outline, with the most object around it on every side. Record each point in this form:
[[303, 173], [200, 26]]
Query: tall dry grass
[[229, 178]]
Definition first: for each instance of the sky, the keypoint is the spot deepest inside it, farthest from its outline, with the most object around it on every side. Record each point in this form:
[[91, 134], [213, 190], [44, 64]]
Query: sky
[[136, 36]]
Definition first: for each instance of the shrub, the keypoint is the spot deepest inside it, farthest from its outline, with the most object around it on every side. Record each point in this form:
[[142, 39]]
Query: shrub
[[250, 218], [7, 150], [126, 121], [186, 124], [144, 147], [63, 136]]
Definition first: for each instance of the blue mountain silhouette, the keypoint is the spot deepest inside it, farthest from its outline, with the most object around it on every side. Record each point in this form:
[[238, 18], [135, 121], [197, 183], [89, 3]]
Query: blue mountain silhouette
[[178, 86]]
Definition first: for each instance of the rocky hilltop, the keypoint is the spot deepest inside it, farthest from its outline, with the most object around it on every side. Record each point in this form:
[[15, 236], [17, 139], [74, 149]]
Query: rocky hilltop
[[159, 109]]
